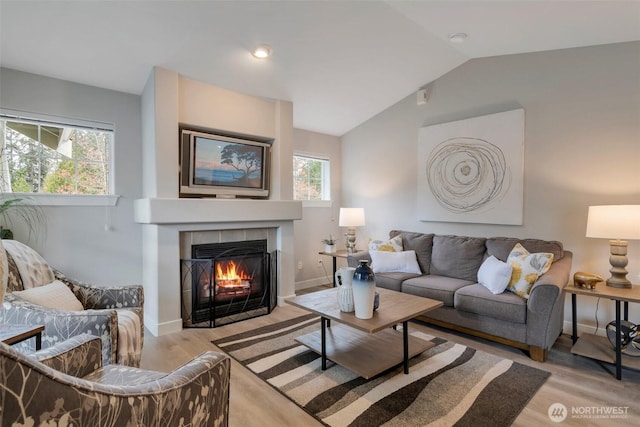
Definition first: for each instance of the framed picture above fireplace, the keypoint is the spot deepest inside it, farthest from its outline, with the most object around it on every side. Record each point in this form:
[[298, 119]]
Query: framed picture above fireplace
[[216, 165]]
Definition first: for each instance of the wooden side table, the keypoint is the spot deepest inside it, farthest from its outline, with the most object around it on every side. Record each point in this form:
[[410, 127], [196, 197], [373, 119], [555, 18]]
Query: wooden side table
[[13, 334], [342, 253], [597, 347]]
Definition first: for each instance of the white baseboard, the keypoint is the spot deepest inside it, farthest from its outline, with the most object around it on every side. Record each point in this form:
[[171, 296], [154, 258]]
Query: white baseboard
[[582, 328], [311, 283]]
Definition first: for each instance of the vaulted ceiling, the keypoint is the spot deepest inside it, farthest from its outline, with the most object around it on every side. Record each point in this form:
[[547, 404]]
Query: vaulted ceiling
[[339, 62]]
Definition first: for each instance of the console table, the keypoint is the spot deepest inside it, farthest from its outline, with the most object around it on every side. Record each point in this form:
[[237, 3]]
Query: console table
[[335, 255], [598, 347]]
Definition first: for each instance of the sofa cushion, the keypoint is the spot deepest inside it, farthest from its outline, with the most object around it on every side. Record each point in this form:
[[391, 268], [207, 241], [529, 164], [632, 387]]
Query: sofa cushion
[[393, 280], [527, 267], [494, 275], [440, 288], [500, 247], [385, 261], [419, 242], [392, 245], [479, 300], [457, 256]]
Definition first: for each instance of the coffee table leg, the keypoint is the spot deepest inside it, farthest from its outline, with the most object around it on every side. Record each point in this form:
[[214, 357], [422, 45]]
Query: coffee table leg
[[405, 345], [323, 338]]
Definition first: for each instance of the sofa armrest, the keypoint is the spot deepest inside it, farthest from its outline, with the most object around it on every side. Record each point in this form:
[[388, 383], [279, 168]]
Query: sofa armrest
[[61, 325], [545, 307], [99, 297], [353, 260], [78, 356]]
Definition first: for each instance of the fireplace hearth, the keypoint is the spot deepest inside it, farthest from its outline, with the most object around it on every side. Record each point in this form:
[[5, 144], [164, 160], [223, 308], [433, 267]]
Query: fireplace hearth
[[227, 282]]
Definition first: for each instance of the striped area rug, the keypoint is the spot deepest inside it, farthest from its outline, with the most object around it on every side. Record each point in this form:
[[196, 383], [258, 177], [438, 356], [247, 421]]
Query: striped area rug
[[449, 384]]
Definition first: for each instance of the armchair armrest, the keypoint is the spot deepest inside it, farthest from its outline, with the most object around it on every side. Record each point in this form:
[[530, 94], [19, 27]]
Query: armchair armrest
[[98, 297], [78, 356], [62, 325]]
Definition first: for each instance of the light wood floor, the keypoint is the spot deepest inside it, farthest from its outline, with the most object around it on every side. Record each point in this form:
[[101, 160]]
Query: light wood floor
[[576, 382]]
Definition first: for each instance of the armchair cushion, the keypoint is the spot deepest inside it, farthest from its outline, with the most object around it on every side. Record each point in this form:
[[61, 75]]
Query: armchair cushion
[[34, 270], [53, 295]]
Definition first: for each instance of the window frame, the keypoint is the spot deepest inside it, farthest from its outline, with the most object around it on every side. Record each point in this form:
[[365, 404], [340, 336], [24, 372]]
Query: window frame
[[326, 180], [50, 199]]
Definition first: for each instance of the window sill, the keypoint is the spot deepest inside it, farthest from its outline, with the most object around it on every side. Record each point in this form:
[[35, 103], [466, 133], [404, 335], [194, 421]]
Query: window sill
[[68, 199], [317, 203]]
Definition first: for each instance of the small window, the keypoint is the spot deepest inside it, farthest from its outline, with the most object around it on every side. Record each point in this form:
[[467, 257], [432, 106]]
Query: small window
[[311, 178], [51, 158]]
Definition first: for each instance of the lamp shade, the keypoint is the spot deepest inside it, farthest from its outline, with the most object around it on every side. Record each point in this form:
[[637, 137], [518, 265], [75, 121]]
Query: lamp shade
[[351, 217], [614, 222]]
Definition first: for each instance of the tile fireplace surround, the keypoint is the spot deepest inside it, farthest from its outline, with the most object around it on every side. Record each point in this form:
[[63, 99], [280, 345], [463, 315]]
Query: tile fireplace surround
[[170, 226]]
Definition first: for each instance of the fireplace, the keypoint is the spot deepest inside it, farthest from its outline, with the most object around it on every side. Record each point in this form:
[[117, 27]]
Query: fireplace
[[227, 282]]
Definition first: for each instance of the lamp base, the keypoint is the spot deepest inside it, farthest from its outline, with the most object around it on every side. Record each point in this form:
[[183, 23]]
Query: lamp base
[[351, 240], [617, 283], [618, 260]]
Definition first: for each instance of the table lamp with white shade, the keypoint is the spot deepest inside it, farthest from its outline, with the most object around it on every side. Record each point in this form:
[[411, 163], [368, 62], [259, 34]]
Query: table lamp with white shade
[[351, 218], [615, 222]]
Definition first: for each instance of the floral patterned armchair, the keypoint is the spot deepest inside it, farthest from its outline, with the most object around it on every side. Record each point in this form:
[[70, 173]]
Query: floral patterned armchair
[[67, 384], [113, 313]]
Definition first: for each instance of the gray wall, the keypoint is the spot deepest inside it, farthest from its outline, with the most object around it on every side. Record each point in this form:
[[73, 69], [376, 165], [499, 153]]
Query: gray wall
[[582, 147], [75, 240], [318, 222]]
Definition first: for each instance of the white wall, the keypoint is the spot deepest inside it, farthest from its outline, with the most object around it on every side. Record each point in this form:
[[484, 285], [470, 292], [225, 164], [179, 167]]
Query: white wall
[[318, 222], [582, 147], [75, 241]]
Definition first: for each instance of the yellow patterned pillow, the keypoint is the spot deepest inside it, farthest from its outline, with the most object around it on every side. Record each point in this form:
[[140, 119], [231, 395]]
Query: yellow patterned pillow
[[391, 245], [527, 268]]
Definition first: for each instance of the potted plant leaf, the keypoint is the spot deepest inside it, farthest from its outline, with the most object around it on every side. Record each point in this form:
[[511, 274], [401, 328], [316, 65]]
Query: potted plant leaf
[[14, 208]]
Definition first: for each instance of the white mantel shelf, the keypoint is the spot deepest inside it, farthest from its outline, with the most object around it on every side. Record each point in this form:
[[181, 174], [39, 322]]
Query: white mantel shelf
[[192, 211]]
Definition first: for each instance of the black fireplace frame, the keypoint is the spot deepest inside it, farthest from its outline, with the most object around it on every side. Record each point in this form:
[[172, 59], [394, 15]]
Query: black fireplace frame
[[215, 313]]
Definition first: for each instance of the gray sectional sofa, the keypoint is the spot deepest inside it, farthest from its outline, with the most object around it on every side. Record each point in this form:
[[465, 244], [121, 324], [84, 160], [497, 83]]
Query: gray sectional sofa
[[449, 266]]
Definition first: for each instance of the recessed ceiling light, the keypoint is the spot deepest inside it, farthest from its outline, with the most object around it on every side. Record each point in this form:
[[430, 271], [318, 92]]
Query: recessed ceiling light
[[458, 37], [262, 51]]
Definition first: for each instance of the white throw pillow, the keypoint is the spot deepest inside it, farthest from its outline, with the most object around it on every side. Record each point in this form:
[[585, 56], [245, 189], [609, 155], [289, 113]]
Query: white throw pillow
[[54, 295], [494, 275], [387, 262]]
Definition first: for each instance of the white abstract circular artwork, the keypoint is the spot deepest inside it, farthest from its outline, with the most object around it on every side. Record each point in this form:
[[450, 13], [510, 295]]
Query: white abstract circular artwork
[[471, 170]]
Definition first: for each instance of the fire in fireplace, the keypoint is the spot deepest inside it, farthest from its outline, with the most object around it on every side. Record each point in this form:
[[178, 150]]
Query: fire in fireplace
[[231, 279], [229, 282]]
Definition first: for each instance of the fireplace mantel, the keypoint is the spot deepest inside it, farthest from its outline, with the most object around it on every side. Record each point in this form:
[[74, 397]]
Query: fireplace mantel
[[189, 211], [165, 220]]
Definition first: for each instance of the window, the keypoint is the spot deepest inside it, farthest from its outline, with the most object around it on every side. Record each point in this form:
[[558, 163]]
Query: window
[[311, 178], [53, 158]]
